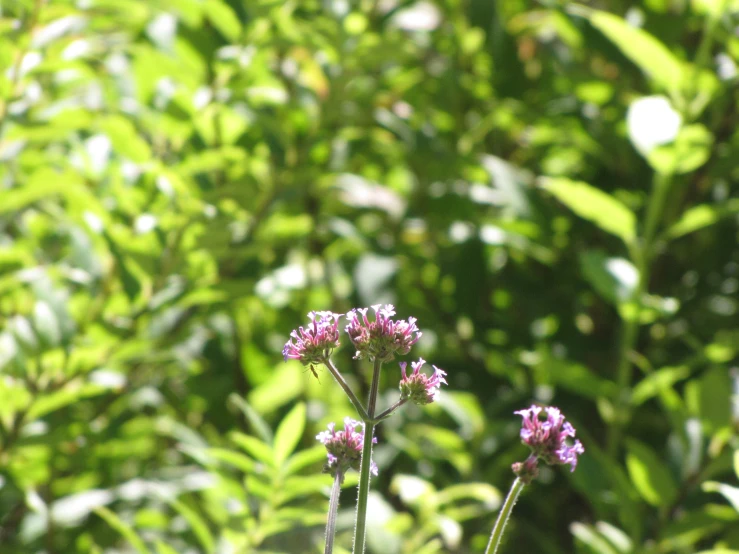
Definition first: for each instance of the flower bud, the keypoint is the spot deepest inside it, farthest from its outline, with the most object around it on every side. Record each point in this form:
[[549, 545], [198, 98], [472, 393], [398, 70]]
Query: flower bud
[[418, 387]]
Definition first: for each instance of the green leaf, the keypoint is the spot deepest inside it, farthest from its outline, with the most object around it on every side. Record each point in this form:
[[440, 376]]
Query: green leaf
[[650, 475], [592, 538], [123, 528], [480, 492], [594, 205], [615, 279], [257, 421], [646, 51], [43, 184], [710, 398], [223, 18], [576, 378], [46, 325], [256, 448], [690, 150], [701, 216], [656, 382], [125, 139], [235, 459], [58, 399], [163, 548], [288, 433], [284, 385], [197, 524], [131, 285], [727, 491], [305, 458]]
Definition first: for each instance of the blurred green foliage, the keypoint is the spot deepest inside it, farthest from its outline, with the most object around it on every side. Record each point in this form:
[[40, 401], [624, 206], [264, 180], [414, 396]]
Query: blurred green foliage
[[551, 188]]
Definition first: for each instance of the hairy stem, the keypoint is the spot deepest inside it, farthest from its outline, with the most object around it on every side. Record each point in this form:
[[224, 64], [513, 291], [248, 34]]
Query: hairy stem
[[333, 510], [503, 516], [346, 388], [364, 470]]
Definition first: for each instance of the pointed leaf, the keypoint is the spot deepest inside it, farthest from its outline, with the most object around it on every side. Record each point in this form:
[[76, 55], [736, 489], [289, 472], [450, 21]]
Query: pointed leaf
[[594, 205], [656, 382], [646, 51], [257, 422], [197, 524], [126, 531], [288, 433], [650, 475]]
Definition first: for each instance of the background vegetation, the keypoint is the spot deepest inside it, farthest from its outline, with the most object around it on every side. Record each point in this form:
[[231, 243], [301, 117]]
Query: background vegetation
[[183, 180]]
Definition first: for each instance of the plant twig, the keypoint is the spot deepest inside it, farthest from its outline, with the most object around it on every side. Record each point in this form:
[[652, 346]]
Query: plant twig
[[387, 413], [347, 389]]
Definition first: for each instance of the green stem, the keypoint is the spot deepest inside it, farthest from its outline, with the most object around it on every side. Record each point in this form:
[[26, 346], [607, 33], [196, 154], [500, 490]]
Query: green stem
[[364, 470], [642, 255], [387, 413], [333, 510], [346, 388], [503, 516]]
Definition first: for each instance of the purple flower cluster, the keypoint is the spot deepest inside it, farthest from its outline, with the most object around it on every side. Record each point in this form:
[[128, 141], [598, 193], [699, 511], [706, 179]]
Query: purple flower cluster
[[344, 447], [383, 338], [314, 343], [418, 387], [546, 439]]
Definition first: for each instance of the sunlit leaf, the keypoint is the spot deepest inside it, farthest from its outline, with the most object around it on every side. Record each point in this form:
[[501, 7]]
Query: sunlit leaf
[[642, 48], [596, 206], [656, 382], [288, 433], [650, 475]]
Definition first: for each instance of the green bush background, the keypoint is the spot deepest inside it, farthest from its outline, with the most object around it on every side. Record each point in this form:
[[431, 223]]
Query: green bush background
[[183, 180]]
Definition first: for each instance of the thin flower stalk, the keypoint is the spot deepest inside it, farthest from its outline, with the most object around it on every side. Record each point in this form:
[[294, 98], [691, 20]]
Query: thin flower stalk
[[503, 516], [391, 410], [333, 510], [360, 526], [346, 388]]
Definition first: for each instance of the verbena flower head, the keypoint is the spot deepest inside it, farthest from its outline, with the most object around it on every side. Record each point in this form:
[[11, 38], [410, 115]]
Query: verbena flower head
[[314, 343], [546, 437], [383, 338], [418, 387], [344, 447]]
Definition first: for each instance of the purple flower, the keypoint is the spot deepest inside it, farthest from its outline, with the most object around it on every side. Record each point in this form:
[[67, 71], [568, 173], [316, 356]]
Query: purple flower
[[546, 438], [344, 447], [383, 338], [418, 387], [314, 343]]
